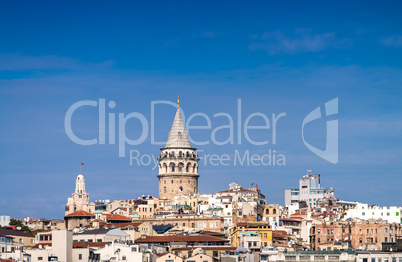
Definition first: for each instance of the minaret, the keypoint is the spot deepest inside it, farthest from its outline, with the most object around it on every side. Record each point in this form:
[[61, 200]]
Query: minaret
[[178, 162]]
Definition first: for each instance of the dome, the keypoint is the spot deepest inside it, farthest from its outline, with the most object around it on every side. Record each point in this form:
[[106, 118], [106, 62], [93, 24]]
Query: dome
[[80, 176]]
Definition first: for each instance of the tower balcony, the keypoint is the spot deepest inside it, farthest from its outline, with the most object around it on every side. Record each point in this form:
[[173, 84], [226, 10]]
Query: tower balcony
[[183, 157]]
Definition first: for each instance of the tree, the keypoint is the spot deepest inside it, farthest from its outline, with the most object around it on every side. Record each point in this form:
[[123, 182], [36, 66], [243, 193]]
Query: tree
[[18, 223]]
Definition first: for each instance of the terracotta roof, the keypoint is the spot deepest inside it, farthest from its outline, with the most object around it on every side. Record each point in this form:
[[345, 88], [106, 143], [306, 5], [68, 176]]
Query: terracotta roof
[[299, 213], [11, 232], [80, 213], [204, 248], [31, 219], [235, 191], [245, 224], [6, 260], [98, 220], [89, 244], [117, 217], [203, 238], [225, 197], [279, 233], [120, 225]]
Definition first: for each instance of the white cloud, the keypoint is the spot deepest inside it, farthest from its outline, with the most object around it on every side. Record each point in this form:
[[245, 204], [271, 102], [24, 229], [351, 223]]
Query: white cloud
[[18, 62], [302, 41], [395, 40]]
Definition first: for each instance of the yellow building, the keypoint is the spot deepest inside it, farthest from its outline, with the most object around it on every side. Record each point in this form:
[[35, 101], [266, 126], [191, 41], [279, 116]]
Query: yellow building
[[261, 228]]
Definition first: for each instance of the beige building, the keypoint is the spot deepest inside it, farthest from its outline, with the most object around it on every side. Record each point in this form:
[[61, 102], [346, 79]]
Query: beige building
[[178, 162], [169, 258], [26, 239], [188, 222]]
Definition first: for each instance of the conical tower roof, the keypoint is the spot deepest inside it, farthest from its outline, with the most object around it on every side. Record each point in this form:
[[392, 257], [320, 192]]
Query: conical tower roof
[[178, 135]]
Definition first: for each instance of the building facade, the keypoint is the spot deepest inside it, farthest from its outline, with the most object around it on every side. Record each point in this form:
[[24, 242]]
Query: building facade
[[79, 200], [309, 191]]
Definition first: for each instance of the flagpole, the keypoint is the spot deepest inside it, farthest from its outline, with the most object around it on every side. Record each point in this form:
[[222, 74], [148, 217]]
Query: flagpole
[[80, 167]]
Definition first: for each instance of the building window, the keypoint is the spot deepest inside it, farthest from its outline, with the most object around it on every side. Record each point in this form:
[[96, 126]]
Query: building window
[[164, 189], [318, 231], [274, 211], [267, 211], [80, 256], [265, 235]]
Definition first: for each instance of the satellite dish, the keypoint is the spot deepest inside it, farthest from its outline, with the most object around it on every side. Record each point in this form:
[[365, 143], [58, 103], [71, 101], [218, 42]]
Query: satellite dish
[[40, 246], [19, 228]]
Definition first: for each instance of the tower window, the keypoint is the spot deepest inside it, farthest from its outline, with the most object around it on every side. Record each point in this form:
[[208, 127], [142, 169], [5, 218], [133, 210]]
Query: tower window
[[180, 181], [181, 189], [173, 168], [164, 190]]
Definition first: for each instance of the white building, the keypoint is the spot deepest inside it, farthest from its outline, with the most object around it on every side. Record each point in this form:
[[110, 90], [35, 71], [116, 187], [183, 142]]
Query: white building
[[309, 191], [364, 211], [4, 221], [101, 235]]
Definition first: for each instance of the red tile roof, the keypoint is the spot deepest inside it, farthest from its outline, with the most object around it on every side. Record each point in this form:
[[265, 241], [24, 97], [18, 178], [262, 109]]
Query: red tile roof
[[80, 213], [279, 233], [251, 224], [235, 191], [117, 217], [159, 239], [203, 248], [98, 220], [120, 225], [6, 260], [89, 244], [299, 213]]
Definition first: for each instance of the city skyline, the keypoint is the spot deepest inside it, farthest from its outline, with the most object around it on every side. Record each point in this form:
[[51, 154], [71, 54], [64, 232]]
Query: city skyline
[[266, 59]]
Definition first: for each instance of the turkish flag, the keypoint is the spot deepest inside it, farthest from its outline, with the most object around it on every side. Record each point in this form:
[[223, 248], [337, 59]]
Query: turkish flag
[[82, 164]]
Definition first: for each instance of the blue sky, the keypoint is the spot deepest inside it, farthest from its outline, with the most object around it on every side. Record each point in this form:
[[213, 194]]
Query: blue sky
[[277, 58]]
